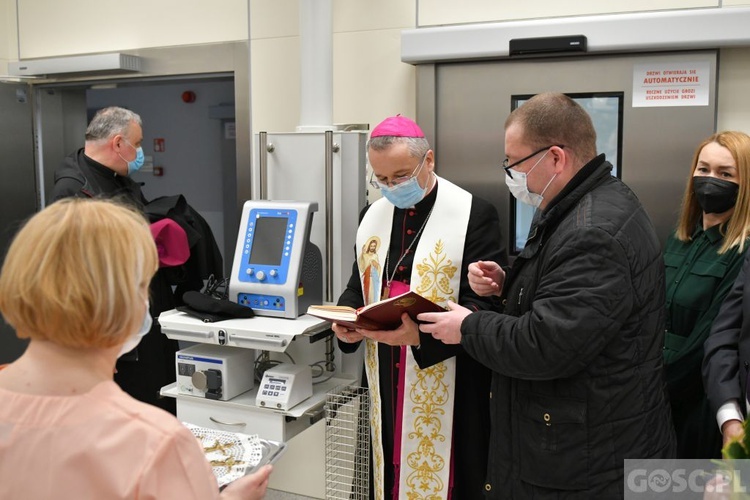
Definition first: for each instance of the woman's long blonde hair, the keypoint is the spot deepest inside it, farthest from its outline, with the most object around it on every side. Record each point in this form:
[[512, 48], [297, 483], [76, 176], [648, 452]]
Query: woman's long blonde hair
[[736, 229]]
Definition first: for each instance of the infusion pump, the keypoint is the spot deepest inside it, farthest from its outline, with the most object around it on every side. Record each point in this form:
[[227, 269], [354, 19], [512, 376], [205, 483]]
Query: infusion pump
[[284, 386], [276, 270]]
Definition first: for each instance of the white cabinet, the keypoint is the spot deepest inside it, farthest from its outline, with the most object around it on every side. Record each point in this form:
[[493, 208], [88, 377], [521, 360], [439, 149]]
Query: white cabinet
[[301, 469], [241, 415]]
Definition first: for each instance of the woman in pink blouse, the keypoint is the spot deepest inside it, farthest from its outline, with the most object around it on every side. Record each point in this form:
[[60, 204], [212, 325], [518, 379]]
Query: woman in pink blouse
[[75, 282]]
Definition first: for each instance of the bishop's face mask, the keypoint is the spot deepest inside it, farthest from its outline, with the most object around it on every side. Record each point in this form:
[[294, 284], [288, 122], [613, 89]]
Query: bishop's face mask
[[518, 187], [404, 195], [715, 196], [403, 192], [136, 164], [135, 339]]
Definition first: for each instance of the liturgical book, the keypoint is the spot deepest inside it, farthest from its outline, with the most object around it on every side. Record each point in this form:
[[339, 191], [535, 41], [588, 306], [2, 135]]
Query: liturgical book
[[382, 315]]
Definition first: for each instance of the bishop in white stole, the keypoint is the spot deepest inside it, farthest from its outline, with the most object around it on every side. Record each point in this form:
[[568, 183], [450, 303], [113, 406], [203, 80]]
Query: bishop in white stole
[[426, 397]]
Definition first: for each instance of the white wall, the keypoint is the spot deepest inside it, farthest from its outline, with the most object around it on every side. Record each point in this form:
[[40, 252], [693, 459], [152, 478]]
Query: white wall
[[48, 28], [441, 12], [369, 79], [8, 34]]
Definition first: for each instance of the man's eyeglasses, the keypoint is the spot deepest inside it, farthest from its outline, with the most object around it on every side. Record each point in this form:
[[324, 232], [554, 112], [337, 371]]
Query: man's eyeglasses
[[507, 167], [374, 182]]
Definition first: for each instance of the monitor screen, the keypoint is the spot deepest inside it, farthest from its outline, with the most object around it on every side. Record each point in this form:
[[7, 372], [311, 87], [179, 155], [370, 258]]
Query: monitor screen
[[605, 109], [268, 242]]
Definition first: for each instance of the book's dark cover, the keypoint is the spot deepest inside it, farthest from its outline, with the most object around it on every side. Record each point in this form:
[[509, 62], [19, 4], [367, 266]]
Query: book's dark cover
[[383, 315]]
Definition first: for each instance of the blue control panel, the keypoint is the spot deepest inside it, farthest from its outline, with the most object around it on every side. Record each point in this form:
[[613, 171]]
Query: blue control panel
[[269, 235], [267, 302], [273, 246]]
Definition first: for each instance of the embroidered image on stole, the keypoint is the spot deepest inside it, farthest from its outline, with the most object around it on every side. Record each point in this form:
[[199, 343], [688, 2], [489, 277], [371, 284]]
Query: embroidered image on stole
[[370, 270], [375, 227]]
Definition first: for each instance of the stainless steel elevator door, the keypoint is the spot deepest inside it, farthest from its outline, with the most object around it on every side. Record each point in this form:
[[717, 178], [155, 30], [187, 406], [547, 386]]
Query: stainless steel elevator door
[[473, 99], [18, 193]]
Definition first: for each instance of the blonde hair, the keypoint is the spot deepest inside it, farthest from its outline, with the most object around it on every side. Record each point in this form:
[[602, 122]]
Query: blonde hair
[[76, 273], [737, 229]]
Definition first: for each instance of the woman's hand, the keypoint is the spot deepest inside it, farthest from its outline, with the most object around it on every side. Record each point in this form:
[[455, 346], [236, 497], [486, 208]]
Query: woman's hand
[[250, 487]]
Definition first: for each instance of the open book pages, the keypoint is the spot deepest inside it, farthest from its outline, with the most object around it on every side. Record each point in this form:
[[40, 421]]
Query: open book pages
[[382, 315], [333, 313]]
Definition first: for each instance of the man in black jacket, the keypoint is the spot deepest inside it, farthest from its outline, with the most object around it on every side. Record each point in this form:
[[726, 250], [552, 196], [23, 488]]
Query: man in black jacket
[[726, 365], [112, 153], [101, 169], [576, 349]]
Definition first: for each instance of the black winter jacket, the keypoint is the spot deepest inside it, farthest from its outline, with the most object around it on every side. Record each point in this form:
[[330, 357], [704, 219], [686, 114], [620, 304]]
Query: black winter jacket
[[577, 353], [83, 177], [149, 367]]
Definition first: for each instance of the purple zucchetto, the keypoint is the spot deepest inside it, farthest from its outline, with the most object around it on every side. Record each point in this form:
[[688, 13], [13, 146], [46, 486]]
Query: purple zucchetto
[[397, 126]]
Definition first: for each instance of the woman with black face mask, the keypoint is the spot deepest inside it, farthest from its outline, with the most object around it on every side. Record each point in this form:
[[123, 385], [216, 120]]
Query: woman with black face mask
[[702, 259]]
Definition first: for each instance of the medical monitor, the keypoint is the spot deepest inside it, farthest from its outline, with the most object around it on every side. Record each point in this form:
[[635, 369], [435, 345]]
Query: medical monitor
[[273, 258], [270, 238]]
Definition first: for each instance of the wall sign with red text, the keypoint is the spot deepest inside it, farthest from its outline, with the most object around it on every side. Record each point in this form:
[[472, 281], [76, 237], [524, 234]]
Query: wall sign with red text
[[678, 84]]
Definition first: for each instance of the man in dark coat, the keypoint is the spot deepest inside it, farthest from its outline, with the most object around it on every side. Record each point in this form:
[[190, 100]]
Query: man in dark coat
[[576, 355], [726, 365], [417, 383], [102, 168]]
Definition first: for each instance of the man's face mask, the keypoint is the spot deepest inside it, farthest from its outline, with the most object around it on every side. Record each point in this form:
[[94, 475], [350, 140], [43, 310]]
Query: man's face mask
[[715, 196], [517, 184], [136, 164], [403, 193]]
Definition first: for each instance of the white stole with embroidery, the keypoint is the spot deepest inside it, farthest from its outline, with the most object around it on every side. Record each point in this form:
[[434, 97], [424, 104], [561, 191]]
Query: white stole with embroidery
[[427, 419]]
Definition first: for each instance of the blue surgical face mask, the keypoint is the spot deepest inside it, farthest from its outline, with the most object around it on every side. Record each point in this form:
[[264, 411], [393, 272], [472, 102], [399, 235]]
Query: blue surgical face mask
[[404, 195], [135, 339], [137, 163]]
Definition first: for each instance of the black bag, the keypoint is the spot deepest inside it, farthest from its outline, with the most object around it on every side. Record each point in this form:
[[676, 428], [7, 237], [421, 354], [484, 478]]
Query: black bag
[[210, 309]]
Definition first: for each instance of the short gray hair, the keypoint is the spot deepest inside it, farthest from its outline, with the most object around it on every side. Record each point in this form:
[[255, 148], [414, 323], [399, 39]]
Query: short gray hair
[[417, 146], [110, 121]]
